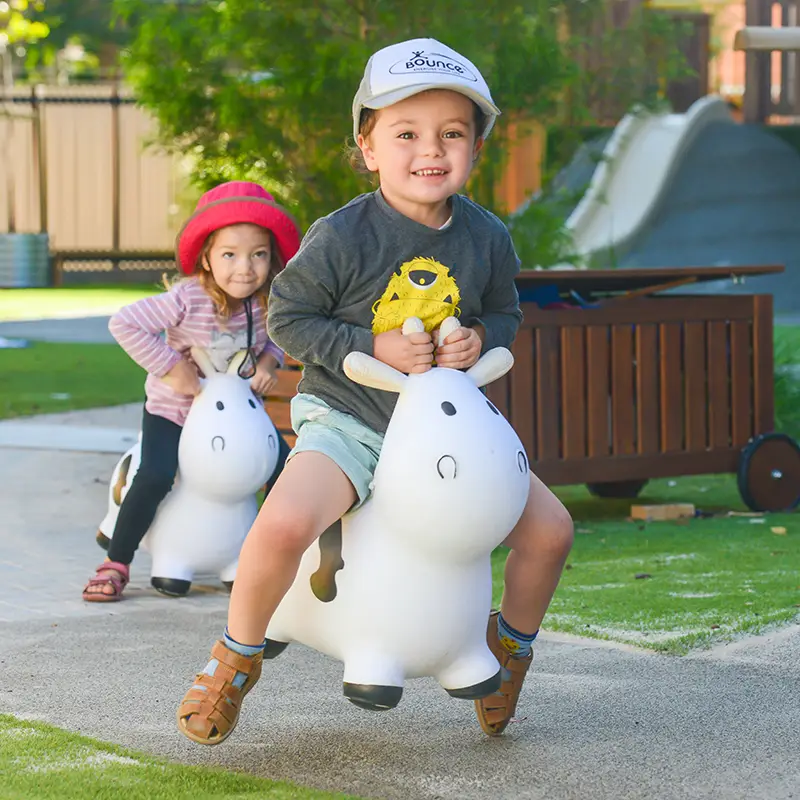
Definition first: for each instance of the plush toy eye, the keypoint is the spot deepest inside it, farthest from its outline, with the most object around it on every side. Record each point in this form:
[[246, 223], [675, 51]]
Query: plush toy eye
[[252, 403], [448, 408], [220, 405], [493, 408]]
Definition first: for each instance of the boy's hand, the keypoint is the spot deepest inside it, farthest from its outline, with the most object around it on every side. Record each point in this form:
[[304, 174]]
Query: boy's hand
[[461, 349], [183, 378], [409, 354], [265, 377]]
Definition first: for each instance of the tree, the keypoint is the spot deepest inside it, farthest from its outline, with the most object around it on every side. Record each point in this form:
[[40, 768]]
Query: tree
[[264, 89], [16, 29]]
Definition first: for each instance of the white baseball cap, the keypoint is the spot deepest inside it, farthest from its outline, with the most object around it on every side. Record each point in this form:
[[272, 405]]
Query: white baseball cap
[[408, 68]]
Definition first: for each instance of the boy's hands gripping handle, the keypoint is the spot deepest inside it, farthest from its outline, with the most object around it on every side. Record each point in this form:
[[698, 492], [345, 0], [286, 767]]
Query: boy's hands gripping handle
[[409, 350]]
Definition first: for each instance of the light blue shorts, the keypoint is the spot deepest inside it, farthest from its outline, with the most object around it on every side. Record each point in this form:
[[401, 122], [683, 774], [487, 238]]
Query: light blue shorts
[[349, 443]]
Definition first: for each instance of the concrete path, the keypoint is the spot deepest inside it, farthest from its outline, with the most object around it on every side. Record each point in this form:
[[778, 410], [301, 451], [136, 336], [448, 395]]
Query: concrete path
[[596, 721], [77, 329]]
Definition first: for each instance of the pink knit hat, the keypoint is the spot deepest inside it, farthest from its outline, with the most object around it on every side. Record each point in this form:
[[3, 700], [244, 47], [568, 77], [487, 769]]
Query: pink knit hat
[[233, 203]]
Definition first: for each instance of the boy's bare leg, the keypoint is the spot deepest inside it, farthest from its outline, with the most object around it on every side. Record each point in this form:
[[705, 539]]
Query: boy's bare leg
[[291, 518], [540, 544], [310, 495]]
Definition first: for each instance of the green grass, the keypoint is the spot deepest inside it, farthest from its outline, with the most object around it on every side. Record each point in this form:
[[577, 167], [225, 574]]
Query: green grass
[[787, 387], [70, 301], [787, 344], [709, 580], [40, 762], [60, 377]]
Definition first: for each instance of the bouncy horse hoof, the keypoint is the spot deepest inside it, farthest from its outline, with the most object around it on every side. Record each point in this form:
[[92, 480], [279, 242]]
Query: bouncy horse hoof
[[478, 690], [172, 587], [102, 540], [372, 697], [273, 649]]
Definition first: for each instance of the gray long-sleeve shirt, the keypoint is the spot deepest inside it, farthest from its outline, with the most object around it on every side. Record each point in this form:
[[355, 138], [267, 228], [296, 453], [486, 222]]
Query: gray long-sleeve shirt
[[365, 268]]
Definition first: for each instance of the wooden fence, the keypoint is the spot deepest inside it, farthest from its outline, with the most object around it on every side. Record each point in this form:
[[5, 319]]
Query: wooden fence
[[74, 163]]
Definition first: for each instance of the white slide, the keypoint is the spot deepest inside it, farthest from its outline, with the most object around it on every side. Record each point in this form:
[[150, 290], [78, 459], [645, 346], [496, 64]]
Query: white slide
[[634, 172]]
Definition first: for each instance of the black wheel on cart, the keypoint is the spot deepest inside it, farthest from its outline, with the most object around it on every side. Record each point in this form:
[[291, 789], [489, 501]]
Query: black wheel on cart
[[616, 490], [769, 473]]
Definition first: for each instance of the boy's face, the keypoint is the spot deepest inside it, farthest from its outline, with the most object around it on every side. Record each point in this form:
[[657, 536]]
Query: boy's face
[[239, 259], [423, 149]]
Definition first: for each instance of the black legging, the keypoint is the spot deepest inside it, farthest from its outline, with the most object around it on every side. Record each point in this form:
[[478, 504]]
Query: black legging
[[152, 482]]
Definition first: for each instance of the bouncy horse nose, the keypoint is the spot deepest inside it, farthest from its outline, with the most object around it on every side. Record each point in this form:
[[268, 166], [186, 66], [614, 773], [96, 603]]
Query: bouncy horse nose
[[217, 443], [522, 462]]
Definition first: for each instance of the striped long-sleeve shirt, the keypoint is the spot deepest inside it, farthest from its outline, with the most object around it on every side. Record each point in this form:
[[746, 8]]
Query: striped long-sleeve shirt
[[187, 316]]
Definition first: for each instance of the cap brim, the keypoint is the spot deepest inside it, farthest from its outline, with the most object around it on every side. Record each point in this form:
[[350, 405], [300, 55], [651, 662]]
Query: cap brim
[[390, 98]]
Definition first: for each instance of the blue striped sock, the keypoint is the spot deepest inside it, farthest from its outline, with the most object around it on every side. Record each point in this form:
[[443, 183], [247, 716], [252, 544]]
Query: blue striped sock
[[237, 647], [516, 642]]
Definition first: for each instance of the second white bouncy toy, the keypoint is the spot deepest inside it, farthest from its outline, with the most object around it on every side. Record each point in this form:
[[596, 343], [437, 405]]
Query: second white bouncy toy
[[403, 588], [228, 450]]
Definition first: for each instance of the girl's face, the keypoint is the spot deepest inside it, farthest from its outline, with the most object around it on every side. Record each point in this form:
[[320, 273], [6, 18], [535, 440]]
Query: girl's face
[[423, 149], [239, 258]]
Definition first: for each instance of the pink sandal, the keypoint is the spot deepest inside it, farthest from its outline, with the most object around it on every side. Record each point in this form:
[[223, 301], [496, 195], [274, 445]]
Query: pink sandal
[[117, 583]]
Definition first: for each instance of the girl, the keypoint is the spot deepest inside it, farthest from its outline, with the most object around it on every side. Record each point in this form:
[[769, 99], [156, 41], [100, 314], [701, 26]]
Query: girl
[[232, 247]]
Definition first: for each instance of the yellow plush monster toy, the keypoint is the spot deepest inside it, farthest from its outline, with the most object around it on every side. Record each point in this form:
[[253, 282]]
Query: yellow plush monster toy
[[423, 288]]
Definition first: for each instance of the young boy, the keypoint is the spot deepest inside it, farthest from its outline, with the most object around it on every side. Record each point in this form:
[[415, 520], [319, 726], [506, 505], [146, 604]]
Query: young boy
[[414, 247]]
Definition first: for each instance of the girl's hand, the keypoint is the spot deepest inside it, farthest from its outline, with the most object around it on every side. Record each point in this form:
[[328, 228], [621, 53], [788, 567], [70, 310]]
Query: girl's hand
[[183, 378], [409, 354], [461, 349], [265, 377]]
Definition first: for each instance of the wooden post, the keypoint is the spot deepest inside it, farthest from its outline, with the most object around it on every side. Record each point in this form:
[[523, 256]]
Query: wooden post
[[39, 157], [115, 168], [758, 79]]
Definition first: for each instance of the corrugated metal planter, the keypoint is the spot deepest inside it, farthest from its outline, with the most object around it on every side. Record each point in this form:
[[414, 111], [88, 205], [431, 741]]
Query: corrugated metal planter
[[24, 260]]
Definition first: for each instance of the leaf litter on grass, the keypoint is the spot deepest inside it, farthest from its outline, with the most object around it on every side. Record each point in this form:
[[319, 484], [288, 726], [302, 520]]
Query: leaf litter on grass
[[712, 579]]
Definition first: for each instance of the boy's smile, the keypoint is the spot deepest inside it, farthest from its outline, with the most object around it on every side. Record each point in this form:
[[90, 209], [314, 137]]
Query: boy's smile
[[423, 149]]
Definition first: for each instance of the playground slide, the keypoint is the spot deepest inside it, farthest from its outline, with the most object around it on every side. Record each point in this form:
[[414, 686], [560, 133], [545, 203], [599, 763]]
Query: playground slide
[[635, 170]]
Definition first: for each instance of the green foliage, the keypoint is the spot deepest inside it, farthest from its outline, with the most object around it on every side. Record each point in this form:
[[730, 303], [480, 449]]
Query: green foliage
[[541, 238], [16, 25], [264, 90]]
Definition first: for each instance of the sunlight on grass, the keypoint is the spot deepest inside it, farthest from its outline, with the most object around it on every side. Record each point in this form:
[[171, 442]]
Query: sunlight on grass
[[70, 301], [672, 586], [41, 762]]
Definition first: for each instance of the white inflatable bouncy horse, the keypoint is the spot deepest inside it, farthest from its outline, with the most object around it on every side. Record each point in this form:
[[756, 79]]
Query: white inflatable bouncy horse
[[227, 451], [402, 589]]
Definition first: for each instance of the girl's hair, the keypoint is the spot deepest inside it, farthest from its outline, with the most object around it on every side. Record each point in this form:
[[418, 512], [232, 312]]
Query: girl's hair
[[222, 303], [366, 124]]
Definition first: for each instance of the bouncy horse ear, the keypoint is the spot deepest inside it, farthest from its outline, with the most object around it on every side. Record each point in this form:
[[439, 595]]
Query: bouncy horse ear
[[236, 362], [491, 366], [203, 360], [368, 371]]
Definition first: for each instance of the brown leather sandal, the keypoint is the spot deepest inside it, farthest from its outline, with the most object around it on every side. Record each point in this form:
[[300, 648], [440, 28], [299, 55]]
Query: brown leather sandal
[[496, 710], [209, 715]]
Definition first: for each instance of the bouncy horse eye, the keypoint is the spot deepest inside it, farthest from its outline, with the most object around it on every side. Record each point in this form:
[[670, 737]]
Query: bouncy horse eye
[[252, 403], [220, 405], [448, 408], [493, 408]]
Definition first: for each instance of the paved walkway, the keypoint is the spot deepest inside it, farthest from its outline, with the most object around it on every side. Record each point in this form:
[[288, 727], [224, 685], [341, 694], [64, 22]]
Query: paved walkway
[[596, 721], [77, 329]]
